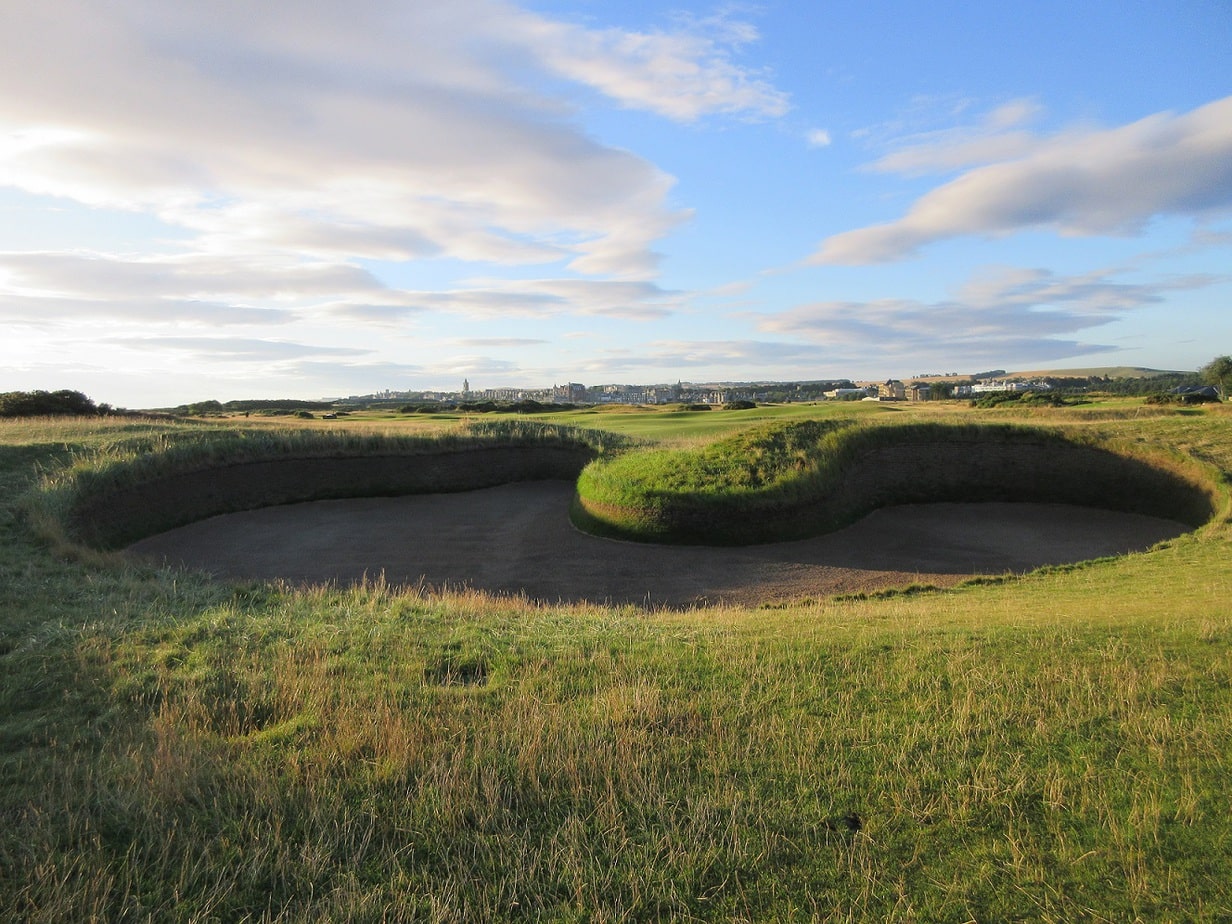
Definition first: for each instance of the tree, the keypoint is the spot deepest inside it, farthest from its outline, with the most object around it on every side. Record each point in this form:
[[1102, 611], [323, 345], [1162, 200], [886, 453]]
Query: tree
[[1218, 372], [45, 403]]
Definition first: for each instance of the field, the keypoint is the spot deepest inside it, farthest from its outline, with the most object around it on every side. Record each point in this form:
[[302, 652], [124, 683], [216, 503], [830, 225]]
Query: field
[[1052, 747]]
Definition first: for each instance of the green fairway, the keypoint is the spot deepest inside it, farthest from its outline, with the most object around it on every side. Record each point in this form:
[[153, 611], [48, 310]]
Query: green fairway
[[1053, 747]]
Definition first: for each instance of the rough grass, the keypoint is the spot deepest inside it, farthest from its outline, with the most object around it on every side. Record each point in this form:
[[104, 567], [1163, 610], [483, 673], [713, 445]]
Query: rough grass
[[1050, 748], [790, 480], [133, 458]]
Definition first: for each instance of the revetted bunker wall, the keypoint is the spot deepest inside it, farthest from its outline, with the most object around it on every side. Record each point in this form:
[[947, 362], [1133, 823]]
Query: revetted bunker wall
[[1051, 471], [915, 471], [121, 517]]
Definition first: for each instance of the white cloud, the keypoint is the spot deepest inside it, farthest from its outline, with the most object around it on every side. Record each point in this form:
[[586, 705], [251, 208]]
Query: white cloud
[[219, 291], [684, 75], [730, 354], [374, 129], [117, 276], [531, 298], [234, 348], [818, 138], [503, 342], [1001, 315], [995, 137], [1110, 181], [203, 289]]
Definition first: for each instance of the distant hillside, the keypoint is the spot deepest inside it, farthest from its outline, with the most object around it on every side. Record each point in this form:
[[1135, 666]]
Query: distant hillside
[[1112, 372]]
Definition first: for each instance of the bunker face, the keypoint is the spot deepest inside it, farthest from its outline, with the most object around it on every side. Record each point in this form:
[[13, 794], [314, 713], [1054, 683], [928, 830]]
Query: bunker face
[[517, 539]]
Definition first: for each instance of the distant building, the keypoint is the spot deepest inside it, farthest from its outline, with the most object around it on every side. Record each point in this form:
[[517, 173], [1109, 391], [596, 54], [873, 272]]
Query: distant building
[[892, 390], [573, 393]]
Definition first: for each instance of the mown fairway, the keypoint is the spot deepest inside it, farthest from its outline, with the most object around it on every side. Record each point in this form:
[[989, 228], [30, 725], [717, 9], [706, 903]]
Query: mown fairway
[[1056, 747]]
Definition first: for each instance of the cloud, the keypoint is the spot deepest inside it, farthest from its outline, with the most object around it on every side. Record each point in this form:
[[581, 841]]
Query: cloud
[[234, 348], [207, 289], [115, 276], [43, 312], [378, 129], [664, 360], [683, 75], [1091, 182], [533, 298], [1001, 315], [731, 354], [510, 342], [996, 137], [818, 138]]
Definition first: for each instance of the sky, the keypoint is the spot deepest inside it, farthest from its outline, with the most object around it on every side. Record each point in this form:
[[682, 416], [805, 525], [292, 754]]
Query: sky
[[220, 199]]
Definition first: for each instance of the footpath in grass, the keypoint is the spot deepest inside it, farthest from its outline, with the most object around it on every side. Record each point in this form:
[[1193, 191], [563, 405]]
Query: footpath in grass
[[1048, 748]]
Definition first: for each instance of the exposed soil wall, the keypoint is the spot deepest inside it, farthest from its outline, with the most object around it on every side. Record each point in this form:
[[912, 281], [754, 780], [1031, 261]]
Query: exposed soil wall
[[121, 517], [1052, 471]]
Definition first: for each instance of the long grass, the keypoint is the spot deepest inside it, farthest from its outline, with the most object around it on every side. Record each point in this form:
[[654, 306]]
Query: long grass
[[130, 456], [788, 480], [1051, 748]]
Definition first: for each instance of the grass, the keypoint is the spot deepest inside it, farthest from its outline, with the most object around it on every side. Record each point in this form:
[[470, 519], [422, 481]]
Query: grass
[[799, 478], [1049, 748], [138, 457]]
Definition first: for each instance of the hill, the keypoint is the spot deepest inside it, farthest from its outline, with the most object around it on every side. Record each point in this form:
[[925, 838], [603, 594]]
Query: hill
[[1112, 372]]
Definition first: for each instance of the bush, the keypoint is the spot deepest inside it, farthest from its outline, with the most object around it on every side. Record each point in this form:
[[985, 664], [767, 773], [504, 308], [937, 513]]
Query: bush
[[47, 404], [1020, 398], [202, 409], [1186, 396]]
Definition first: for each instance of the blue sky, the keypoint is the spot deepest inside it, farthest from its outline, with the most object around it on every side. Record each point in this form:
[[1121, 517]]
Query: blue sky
[[224, 199]]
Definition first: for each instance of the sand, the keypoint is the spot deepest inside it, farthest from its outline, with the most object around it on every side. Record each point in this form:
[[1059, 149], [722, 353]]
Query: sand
[[517, 540]]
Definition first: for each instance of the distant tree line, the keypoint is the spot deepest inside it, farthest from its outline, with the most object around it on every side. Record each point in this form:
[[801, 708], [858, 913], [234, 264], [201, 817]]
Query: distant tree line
[[1127, 386], [251, 406], [49, 404], [527, 406]]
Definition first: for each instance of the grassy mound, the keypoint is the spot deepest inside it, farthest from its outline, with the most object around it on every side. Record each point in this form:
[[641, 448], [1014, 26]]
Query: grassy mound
[[803, 479], [139, 486]]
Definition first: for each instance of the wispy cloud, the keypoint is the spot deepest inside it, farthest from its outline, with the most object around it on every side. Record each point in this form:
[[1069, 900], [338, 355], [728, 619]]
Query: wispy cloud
[[818, 138], [683, 74], [662, 359], [1110, 181], [1030, 315], [997, 136], [533, 298], [199, 289], [234, 348], [512, 342]]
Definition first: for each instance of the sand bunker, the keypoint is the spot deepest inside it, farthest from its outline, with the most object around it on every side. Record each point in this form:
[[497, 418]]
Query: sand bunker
[[517, 539]]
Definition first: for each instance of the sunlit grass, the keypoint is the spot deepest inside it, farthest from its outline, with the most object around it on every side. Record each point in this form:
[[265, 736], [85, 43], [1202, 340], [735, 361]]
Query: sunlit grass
[[126, 458], [799, 478], [1053, 747]]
